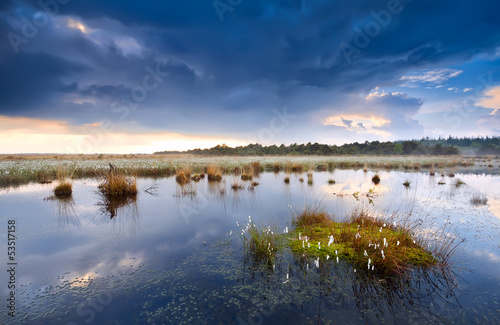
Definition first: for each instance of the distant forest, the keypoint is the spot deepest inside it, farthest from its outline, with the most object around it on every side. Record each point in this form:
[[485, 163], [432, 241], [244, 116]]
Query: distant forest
[[425, 146]]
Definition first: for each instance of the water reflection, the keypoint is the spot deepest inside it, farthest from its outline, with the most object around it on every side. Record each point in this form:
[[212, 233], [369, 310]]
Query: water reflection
[[179, 279], [66, 211], [120, 212]]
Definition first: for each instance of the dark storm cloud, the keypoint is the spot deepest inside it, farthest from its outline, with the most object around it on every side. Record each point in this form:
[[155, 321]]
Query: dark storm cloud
[[264, 54], [31, 78]]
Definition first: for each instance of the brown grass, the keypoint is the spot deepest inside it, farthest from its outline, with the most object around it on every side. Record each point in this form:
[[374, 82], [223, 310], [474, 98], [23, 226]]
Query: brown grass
[[118, 185], [312, 217], [63, 189], [214, 173]]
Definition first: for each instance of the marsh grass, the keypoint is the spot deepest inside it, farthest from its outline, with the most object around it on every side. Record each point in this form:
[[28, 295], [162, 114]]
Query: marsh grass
[[182, 177], [367, 240], [117, 185], [63, 189], [196, 178], [246, 177], [236, 185], [214, 173], [22, 169], [458, 183], [276, 167], [260, 245]]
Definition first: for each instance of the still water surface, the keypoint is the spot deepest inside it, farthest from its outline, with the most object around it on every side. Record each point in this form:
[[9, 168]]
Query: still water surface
[[175, 255]]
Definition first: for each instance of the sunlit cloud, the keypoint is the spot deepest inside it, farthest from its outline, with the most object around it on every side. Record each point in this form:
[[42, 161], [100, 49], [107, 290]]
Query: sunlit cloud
[[76, 24], [491, 100], [359, 123]]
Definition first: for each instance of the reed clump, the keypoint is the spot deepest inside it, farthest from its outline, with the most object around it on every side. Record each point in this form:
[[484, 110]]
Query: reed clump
[[183, 177], [63, 189], [277, 167], [117, 185], [214, 173]]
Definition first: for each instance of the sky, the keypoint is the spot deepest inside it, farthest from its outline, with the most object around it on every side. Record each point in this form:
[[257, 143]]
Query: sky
[[109, 76]]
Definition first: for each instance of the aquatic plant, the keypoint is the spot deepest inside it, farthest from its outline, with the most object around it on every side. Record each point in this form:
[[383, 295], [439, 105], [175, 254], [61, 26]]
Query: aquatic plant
[[287, 179], [365, 239], [406, 183], [376, 179], [331, 181], [458, 182], [116, 184], [214, 173], [260, 245], [246, 177], [236, 185], [63, 189], [182, 178], [276, 167]]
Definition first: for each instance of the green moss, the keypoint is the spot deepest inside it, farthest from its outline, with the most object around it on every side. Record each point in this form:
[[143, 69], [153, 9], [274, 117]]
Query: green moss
[[352, 239]]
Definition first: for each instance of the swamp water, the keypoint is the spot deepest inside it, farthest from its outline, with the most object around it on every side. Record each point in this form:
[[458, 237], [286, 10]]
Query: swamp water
[[175, 254]]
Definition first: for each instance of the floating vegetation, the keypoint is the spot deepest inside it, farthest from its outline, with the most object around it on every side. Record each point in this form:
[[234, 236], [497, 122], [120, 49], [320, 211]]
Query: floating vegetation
[[287, 179], [406, 183], [376, 179], [331, 181]]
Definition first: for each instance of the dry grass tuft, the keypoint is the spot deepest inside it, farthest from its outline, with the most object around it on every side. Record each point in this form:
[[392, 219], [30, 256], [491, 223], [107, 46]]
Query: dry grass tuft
[[63, 189], [214, 173], [117, 185]]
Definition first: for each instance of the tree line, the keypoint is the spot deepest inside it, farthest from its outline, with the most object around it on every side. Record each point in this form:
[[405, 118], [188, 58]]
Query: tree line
[[425, 146]]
